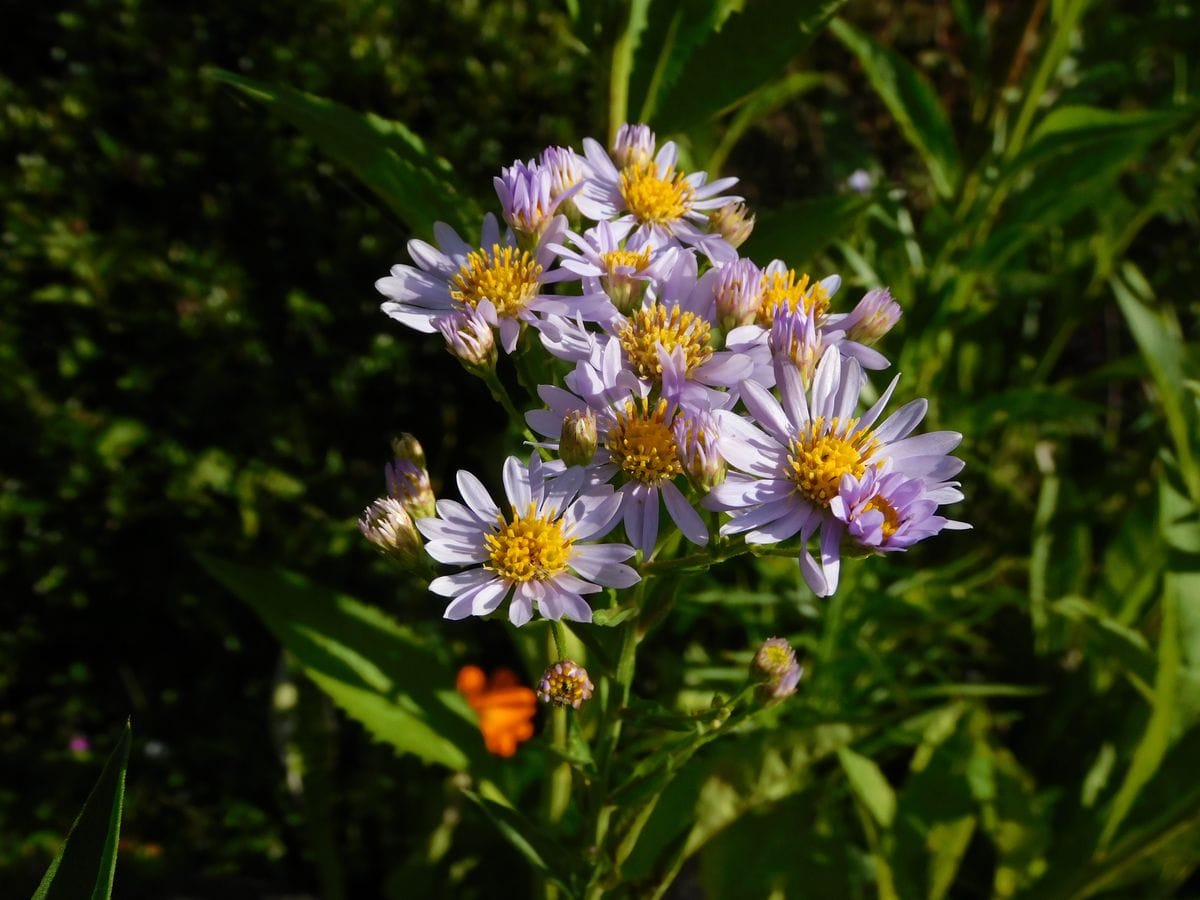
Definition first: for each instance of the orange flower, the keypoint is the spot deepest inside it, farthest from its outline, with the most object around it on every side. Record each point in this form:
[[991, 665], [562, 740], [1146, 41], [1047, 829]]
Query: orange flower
[[505, 707]]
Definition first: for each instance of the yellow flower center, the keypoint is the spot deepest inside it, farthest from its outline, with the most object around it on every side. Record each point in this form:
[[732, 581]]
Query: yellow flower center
[[652, 198], [505, 275], [819, 457], [634, 259], [891, 518], [530, 548], [642, 444], [779, 288], [649, 327]]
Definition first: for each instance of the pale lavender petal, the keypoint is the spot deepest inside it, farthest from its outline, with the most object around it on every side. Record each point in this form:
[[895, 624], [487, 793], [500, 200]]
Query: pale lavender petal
[[831, 561], [649, 523], [488, 597], [477, 495], [453, 585], [520, 610], [872, 414], [783, 528], [934, 443], [766, 411], [685, 516], [759, 516], [516, 485], [456, 554], [901, 423]]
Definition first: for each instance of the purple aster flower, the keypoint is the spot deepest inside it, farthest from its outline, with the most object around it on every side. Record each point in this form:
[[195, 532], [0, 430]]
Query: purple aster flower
[[500, 281], [886, 511], [540, 551], [795, 458], [612, 267], [665, 207], [637, 442], [673, 326]]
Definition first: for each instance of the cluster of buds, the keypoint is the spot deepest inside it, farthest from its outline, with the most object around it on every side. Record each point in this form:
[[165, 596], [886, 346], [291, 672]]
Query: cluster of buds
[[565, 683], [388, 522], [776, 669]]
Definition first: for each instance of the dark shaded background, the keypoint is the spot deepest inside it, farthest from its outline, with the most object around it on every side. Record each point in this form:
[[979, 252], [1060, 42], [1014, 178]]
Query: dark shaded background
[[192, 359]]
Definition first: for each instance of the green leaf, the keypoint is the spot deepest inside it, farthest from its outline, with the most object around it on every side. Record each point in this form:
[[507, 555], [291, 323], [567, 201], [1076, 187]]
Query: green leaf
[[381, 673], [912, 102], [87, 861], [1153, 745], [673, 33], [1161, 344], [538, 849], [796, 233], [390, 160], [869, 785], [1075, 129], [737, 60]]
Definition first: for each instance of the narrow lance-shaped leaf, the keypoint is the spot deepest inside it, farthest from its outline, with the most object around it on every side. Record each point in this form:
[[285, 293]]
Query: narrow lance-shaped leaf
[[384, 155], [751, 48], [869, 785], [378, 671], [912, 102], [87, 862]]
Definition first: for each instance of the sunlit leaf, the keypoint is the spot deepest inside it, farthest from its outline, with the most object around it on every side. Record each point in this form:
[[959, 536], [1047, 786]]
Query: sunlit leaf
[[389, 159], [911, 101]]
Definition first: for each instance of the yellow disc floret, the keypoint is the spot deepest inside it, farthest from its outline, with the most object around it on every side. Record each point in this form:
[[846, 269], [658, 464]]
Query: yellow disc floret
[[529, 548], [820, 456], [779, 288], [653, 197], [633, 259], [642, 444], [506, 276], [891, 518], [652, 326]]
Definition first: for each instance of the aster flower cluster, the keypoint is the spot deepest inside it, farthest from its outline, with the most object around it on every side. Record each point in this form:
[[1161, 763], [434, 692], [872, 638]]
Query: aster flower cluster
[[684, 383]]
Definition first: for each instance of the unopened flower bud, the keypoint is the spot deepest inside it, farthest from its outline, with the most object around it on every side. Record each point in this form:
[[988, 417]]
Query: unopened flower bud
[[578, 443], [794, 336], [732, 222], [527, 200], [406, 446], [634, 146], [565, 683], [387, 525], [696, 440], [873, 317], [470, 340], [409, 483], [738, 293], [776, 669]]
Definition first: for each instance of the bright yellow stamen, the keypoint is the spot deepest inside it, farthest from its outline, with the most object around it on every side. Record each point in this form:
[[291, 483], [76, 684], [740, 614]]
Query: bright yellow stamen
[[891, 518], [779, 288], [530, 548], [820, 456], [653, 198], [505, 275], [649, 327], [642, 444], [634, 259]]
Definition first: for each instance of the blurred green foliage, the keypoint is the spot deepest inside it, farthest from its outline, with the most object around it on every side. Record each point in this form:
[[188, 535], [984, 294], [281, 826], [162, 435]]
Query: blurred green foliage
[[192, 360]]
